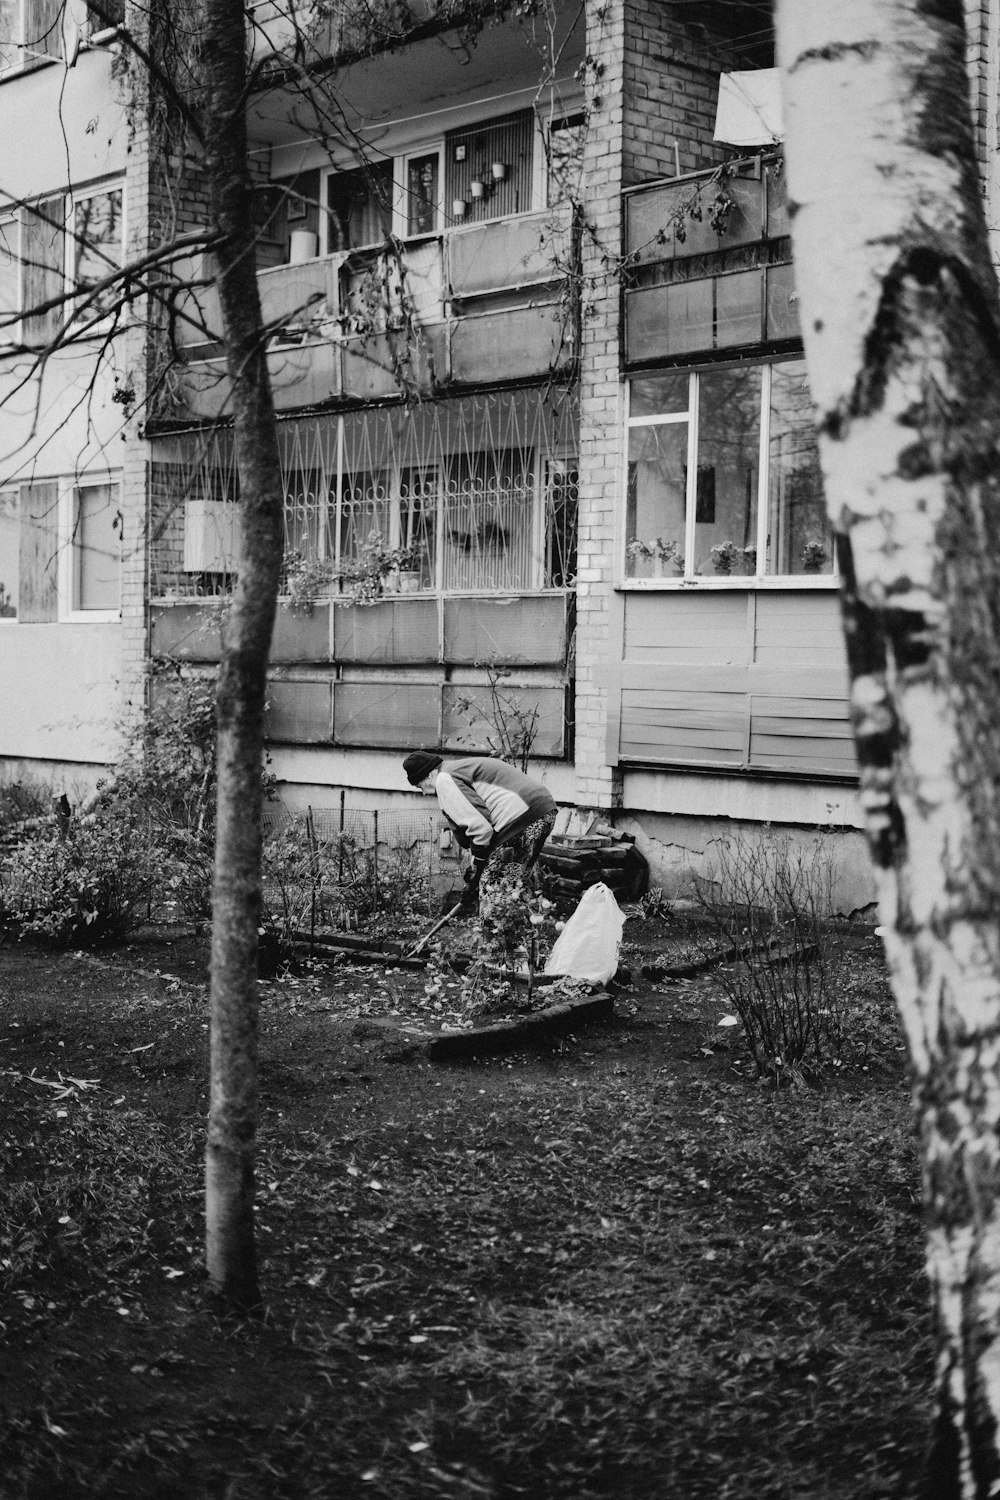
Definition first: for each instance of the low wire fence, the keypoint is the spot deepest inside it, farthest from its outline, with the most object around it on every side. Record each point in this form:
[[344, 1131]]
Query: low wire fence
[[334, 868]]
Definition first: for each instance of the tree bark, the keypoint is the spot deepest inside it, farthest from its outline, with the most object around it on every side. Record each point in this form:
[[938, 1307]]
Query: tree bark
[[232, 1124], [902, 335]]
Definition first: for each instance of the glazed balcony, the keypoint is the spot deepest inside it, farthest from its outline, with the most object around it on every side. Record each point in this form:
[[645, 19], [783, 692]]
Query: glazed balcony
[[488, 301]]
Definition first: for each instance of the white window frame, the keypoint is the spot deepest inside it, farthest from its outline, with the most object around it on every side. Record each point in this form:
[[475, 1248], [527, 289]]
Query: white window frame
[[758, 580], [79, 195], [20, 47], [401, 171], [69, 610]]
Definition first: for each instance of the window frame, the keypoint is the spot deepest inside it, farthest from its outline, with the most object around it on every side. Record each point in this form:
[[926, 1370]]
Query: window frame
[[401, 173], [758, 580], [69, 611], [77, 195]]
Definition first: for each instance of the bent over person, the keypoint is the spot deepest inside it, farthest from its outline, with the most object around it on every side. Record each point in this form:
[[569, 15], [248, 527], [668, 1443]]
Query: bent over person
[[500, 815]]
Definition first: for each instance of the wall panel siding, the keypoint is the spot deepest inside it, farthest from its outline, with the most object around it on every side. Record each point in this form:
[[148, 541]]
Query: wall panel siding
[[796, 628], [689, 627], [742, 679]]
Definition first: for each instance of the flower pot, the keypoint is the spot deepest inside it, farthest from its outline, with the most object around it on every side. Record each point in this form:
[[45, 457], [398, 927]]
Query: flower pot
[[477, 188], [458, 208], [499, 171]]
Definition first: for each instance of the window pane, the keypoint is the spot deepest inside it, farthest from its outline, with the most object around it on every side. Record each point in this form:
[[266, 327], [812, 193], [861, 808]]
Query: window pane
[[657, 481], [659, 395], [97, 548], [43, 240], [422, 194], [728, 458], [800, 539], [418, 490], [489, 509], [566, 142], [10, 33], [364, 508], [8, 275], [562, 504], [360, 206], [97, 240], [10, 546]]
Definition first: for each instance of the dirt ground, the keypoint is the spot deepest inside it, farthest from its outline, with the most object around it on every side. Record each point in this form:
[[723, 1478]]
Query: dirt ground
[[615, 1265]]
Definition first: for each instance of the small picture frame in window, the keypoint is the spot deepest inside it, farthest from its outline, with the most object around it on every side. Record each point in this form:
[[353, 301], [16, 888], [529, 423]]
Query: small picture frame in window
[[295, 208]]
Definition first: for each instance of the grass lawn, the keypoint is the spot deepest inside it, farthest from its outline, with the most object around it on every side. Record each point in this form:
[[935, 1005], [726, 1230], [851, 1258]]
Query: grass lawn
[[618, 1266]]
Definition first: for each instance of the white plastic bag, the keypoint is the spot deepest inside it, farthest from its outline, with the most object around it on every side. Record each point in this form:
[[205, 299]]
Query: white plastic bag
[[587, 948]]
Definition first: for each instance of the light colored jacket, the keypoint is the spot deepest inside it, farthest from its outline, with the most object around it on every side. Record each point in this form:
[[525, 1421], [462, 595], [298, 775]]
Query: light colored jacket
[[487, 801]]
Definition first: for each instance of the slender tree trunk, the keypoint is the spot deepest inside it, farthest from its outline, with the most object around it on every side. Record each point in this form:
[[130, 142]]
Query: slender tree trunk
[[902, 334], [232, 1124]]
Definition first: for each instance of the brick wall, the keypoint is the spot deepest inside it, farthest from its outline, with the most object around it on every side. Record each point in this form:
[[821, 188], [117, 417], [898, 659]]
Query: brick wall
[[652, 104]]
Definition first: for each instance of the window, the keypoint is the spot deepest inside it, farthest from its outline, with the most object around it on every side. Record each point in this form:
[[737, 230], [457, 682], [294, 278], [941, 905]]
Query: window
[[96, 549], [422, 193], [54, 248], [359, 206], [10, 548], [96, 248], [489, 521], [30, 32], [723, 477], [565, 159], [10, 294]]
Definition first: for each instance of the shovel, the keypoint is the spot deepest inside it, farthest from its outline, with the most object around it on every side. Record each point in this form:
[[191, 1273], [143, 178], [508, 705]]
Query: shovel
[[412, 952]]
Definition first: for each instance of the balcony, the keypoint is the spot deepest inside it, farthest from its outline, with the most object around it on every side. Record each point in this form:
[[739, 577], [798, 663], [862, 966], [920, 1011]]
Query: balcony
[[709, 264], [486, 300]]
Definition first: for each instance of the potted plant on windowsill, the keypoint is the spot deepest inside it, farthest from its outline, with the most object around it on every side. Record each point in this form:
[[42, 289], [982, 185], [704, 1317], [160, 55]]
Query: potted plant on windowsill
[[814, 556], [658, 552], [727, 558], [376, 571]]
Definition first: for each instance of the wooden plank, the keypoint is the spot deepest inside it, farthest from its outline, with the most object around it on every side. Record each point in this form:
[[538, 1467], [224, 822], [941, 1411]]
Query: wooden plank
[[714, 737], [777, 725], [815, 751], [689, 718], [664, 698], [810, 708], [690, 755]]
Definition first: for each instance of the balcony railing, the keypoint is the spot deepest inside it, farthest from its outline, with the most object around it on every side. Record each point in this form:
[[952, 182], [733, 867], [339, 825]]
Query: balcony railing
[[486, 299]]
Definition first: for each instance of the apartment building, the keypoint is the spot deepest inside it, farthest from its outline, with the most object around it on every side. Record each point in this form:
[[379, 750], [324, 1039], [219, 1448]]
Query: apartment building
[[532, 322]]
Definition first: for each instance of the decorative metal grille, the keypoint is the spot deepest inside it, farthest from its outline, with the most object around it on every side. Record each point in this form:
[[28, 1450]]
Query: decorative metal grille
[[483, 487]]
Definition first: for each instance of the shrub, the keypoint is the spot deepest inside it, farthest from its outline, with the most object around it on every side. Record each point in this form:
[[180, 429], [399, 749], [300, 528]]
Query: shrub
[[769, 902], [88, 886]]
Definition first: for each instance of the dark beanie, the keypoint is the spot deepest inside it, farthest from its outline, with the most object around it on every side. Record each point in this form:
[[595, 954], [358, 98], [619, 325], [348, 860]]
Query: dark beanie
[[420, 764]]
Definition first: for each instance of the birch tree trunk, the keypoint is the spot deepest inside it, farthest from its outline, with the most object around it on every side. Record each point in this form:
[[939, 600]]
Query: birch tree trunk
[[236, 906], [902, 334]]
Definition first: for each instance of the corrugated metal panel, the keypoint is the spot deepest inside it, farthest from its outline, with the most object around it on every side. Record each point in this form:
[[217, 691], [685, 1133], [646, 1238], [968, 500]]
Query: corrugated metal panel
[[394, 630], [466, 728], [299, 712], [691, 627], [505, 630], [387, 714]]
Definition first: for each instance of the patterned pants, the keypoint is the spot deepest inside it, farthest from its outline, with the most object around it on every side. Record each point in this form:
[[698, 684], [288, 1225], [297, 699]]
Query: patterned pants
[[522, 850]]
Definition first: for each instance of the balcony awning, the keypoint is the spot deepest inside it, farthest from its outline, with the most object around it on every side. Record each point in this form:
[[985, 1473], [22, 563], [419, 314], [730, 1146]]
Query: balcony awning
[[749, 111]]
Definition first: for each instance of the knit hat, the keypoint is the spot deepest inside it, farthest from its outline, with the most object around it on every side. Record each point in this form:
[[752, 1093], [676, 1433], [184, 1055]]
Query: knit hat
[[420, 764]]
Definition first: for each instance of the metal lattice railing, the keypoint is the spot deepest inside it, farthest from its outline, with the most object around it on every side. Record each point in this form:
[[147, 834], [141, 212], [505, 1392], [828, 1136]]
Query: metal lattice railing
[[483, 488]]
